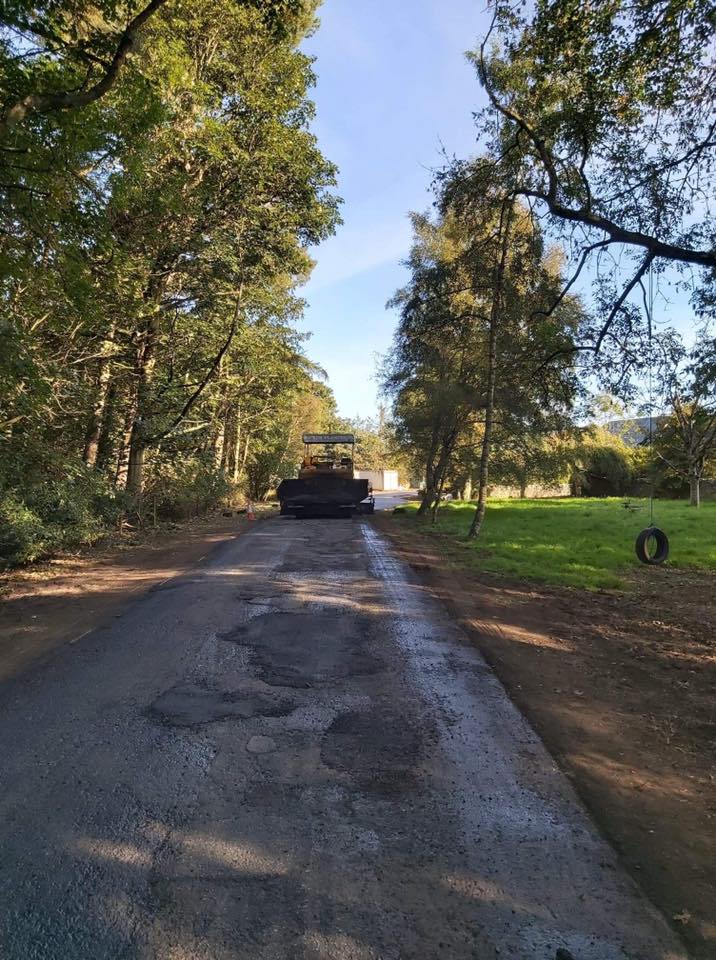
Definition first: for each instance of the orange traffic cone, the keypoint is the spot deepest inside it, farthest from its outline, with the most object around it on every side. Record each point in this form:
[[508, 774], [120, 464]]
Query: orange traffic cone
[[250, 515]]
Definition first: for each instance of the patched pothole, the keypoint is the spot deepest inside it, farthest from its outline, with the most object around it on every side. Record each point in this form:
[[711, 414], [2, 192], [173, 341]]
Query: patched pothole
[[278, 602], [380, 750], [301, 652], [190, 705]]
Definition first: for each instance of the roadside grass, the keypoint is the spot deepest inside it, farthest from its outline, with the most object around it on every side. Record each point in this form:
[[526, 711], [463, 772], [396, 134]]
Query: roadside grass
[[575, 542]]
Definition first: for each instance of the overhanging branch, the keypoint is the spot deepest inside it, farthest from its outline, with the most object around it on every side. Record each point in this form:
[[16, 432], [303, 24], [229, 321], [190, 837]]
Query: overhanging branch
[[584, 215], [69, 99], [203, 384]]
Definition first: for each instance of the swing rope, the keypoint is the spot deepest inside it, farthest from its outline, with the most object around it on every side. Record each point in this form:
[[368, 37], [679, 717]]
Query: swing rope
[[649, 315], [644, 551]]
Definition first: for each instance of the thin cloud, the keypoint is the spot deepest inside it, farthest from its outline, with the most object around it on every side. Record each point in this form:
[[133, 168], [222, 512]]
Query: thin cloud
[[357, 250]]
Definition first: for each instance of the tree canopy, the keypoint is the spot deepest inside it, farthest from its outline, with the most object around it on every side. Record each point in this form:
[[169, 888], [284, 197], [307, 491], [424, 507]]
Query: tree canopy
[[607, 111], [153, 238]]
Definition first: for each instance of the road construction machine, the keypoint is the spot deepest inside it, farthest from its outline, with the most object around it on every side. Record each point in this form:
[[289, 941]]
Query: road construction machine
[[326, 485]]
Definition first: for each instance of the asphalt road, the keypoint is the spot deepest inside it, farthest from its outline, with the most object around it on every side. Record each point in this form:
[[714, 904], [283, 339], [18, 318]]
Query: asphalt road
[[291, 752]]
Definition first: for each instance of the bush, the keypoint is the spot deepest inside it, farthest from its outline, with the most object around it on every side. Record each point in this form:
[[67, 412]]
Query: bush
[[23, 536], [55, 503], [185, 488], [609, 471], [603, 464], [71, 507]]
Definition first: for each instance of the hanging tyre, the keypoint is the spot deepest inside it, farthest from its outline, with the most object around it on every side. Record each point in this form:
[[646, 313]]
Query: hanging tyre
[[652, 546]]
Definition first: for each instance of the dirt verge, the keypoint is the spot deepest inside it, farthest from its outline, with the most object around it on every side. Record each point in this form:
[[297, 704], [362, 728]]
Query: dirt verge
[[620, 686], [58, 601]]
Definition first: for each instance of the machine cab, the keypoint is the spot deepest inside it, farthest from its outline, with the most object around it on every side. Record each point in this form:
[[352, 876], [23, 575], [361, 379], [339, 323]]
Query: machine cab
[[334, 457]]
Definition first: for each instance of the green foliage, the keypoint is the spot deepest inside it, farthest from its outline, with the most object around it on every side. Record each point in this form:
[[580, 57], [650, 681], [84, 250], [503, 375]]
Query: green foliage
[[521, 459], [181, 487], [602, 463], [574, 542], [63, 508], [152, 243], [685, 443], [609, 109], [451, 334], [23, 537], [377, 444]]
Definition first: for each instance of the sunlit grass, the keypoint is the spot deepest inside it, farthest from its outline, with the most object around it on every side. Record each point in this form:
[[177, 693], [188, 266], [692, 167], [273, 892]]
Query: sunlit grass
[[577, 542]]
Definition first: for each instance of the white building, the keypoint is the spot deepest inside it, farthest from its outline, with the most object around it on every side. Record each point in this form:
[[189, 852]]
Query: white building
[[380, 479]]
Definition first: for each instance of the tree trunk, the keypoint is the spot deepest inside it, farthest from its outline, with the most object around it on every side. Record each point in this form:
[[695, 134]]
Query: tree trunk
[[695, 490], [135, 467], [144, 373], [220, 444], [426, 499], [123, 453], [94, 426], [483, 476], [430, 485], [104, 443], [442, 468], [479, 515], [227, 449], [144, 362], [438, 498], [236, 472], [221, 439]]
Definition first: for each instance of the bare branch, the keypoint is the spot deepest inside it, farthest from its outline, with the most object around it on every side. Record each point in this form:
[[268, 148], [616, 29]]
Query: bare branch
[[619, 303], [575, 276]]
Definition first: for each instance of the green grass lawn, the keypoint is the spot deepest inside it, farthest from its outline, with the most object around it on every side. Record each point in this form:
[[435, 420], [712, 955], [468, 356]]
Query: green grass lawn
[[581, 542]]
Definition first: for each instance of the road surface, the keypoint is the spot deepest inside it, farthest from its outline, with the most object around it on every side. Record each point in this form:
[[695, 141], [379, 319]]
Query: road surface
[[291, 752]]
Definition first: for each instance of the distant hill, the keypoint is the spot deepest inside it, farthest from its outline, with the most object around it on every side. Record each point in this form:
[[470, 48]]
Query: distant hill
[[635, 431]]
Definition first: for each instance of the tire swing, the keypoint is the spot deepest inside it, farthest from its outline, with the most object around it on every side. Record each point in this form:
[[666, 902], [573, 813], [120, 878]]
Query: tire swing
[[659, 552], [644, 550]]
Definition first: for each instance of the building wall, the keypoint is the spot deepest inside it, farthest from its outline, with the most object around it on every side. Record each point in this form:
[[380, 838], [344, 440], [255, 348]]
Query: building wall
[[390, 480], [380, 479]]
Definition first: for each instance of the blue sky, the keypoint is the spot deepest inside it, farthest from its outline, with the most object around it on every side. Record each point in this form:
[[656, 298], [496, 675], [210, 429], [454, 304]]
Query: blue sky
[[393, 86]]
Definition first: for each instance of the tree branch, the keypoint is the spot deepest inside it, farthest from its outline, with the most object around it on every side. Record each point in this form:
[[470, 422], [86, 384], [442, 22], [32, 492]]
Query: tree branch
[[200, 389], [66, 100], [596, 347], [619, 303], [583, 215], [618, 234], [575, 276]]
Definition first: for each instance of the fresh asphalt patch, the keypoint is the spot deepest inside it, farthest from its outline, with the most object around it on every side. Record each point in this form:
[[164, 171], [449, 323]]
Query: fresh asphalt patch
[[302, 652], [379, 749], [191, 705]]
